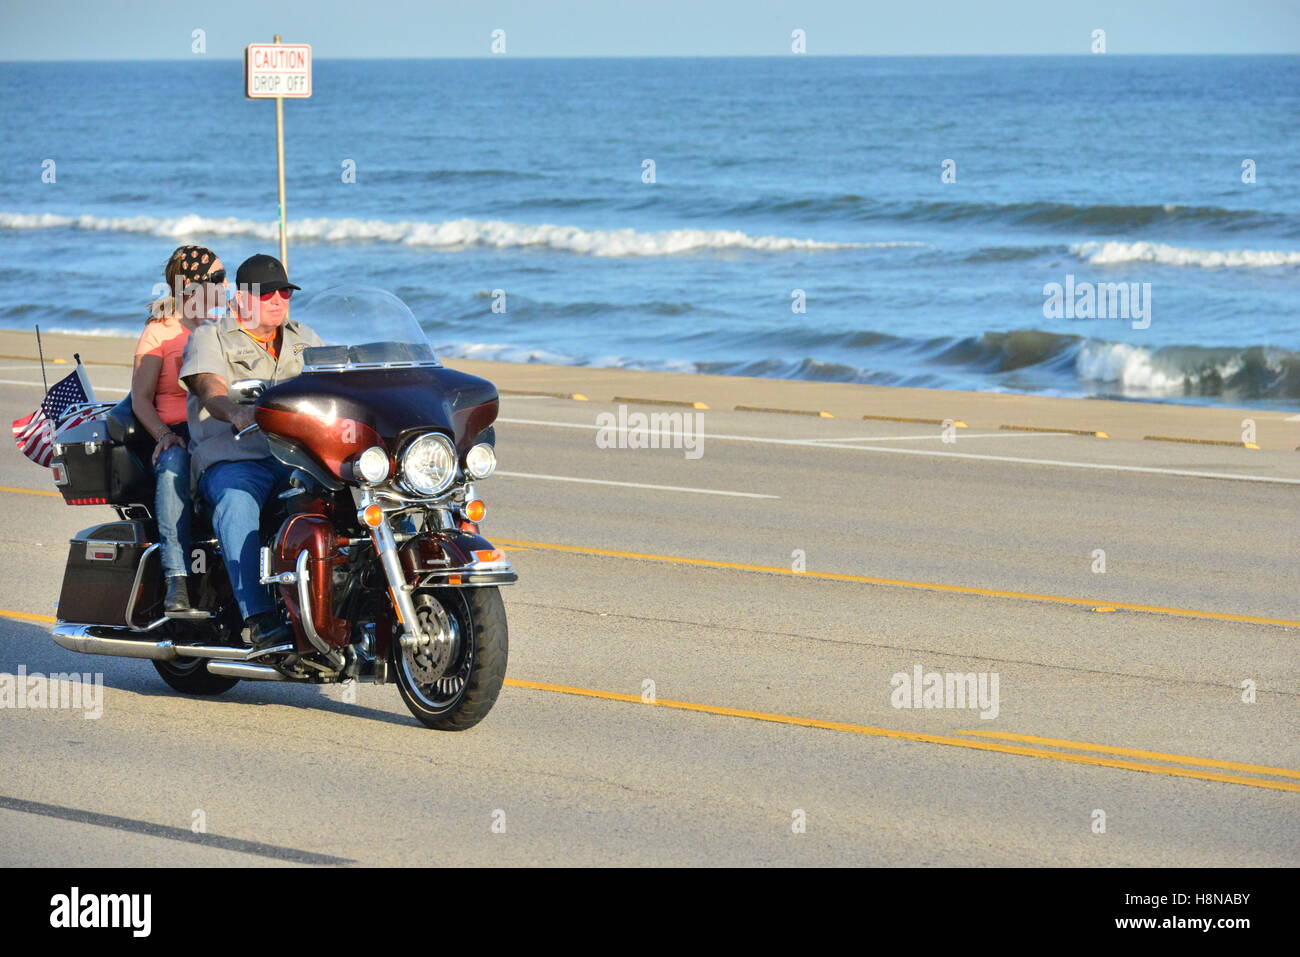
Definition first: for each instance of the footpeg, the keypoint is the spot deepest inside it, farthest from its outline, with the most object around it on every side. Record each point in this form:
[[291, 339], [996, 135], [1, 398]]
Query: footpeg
[[189, 614], [274, 649], [266, 577]]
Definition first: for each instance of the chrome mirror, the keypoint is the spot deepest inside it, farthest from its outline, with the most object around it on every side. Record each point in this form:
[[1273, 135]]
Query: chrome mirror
[[246, 391]]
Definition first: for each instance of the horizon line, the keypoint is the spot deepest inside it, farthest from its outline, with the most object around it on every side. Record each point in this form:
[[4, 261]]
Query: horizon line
[[667, 56]]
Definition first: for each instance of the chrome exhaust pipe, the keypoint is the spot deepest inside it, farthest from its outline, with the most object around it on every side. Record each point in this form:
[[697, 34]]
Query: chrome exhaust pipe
[[224, 652], [90, 640], [81, 638], [241, 669]]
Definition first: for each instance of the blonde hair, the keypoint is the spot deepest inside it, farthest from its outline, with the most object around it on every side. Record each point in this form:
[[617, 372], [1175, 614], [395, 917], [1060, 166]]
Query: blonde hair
[[168, 304]]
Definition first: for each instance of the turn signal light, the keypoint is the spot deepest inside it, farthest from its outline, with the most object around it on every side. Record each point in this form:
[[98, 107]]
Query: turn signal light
[[475, 510], [373, 516], [487, 555]]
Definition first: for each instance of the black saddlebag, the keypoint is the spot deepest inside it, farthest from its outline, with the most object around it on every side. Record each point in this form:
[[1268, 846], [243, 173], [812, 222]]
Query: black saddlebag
[[107, 565], [106, 460]]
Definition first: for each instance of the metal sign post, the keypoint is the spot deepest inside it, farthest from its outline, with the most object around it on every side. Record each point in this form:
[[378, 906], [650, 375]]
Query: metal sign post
[[275, 71], [279, 159]]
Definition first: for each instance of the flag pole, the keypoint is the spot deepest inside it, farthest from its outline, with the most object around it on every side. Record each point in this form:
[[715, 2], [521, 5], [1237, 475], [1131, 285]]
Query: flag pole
[[86, 385], [41, 352]]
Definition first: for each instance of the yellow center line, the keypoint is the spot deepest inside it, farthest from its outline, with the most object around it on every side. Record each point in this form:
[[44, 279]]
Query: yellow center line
[[864, 579], [918, 735], [27, 616], [911, 736], [28, 491], [899, 583], [1138, 753]]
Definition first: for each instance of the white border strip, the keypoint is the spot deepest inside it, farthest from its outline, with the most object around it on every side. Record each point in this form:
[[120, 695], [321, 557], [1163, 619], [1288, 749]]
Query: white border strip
[[661, 488], [1059, 463]]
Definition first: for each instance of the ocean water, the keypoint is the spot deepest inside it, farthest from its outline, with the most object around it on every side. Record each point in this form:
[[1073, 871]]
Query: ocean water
[[771, 176]]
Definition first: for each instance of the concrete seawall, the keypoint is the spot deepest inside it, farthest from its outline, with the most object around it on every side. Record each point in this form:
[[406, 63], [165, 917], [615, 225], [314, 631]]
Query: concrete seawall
[[1091, 418]]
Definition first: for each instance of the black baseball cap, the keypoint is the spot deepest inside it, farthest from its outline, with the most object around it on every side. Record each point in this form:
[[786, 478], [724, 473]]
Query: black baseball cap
[[265, 272]]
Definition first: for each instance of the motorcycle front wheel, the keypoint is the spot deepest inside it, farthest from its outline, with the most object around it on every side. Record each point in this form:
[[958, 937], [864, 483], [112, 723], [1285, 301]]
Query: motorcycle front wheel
[[456, 695]]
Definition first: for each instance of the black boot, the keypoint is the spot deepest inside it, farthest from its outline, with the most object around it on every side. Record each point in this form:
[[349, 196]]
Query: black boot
[[268, 633], [177, 602]]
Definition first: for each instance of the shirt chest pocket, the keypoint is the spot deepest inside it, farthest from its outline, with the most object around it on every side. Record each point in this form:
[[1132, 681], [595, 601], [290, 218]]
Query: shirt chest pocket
[[248, 362]]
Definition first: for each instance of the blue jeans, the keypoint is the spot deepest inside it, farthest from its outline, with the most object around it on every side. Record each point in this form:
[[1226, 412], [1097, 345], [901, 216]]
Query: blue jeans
[[238, 492], [174, 507]]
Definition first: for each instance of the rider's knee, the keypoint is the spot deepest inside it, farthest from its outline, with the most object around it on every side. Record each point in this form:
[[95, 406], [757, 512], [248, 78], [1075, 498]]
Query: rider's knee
[[174, 461]]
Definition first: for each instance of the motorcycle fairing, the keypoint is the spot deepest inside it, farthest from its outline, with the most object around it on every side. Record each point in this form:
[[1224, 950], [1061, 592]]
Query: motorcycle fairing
[[347, 412]]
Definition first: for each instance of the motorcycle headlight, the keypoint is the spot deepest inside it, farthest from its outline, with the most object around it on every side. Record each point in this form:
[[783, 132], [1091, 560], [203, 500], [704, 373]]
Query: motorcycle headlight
[[481, 461], [373, 465], [429, 464]]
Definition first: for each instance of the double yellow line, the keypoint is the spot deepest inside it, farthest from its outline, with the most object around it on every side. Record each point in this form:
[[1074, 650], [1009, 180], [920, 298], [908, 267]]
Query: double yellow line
[[1093, 603], [1097, 755], [1067, 756], [900, 583], [965, 742]]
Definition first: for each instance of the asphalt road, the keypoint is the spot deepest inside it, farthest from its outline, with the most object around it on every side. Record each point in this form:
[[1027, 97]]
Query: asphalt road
[[772, 738]]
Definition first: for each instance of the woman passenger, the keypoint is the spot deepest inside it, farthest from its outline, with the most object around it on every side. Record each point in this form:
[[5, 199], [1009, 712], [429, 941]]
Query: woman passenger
[[196, 285]]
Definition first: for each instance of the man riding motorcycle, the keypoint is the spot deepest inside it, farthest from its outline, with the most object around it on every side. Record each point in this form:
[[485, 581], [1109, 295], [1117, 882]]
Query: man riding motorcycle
[[373, 554], [237, 474]]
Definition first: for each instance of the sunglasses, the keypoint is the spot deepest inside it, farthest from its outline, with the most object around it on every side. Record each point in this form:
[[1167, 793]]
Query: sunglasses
[[282, 293], [215, 279]]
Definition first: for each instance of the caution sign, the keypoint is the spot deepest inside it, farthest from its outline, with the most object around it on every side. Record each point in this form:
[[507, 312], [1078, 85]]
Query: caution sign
[[277, 70]]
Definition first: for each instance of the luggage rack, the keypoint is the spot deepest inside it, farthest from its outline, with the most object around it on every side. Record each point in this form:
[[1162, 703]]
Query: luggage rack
[[103, 459]]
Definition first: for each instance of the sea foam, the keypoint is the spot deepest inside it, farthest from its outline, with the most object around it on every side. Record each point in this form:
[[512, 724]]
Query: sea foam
[[443, 235], [1114, 253]]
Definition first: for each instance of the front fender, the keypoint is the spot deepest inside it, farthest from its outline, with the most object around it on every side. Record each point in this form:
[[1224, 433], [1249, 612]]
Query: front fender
[[454, 559]]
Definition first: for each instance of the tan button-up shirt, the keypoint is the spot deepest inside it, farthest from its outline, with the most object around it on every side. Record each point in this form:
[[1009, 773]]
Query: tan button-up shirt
[[222, 348]]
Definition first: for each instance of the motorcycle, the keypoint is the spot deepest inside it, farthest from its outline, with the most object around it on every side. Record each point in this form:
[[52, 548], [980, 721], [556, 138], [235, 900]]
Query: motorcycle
[[373, 553]]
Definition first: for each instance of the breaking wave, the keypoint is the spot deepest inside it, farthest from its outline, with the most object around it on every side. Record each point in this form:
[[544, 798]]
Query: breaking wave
[[1116, 253], [1257, 372], [1091, 217], [451, 234], [1018, 359]]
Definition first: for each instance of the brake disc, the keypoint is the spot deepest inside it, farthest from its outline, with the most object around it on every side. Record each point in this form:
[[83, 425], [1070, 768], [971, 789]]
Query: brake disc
[[429, 660]]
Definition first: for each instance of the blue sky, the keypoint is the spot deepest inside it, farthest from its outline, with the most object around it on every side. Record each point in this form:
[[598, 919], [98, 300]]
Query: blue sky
[[154, 29]]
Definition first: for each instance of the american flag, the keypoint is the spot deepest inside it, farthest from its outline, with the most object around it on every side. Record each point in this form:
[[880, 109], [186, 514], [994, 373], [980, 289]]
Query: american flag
[[69, 403]]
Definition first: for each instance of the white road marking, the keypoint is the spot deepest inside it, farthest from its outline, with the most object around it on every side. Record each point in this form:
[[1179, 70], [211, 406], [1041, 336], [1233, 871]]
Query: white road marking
[[937, 435], [41, 385], [662, 488], [735, 438], [1059, 463], [1189, 473]]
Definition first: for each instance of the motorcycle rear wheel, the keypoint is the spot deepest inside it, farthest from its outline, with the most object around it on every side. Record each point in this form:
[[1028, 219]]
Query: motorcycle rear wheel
[[191, 676], [466, 692]]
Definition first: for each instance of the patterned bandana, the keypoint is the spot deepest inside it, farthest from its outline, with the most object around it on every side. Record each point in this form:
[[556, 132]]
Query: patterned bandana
[[196, 262]]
